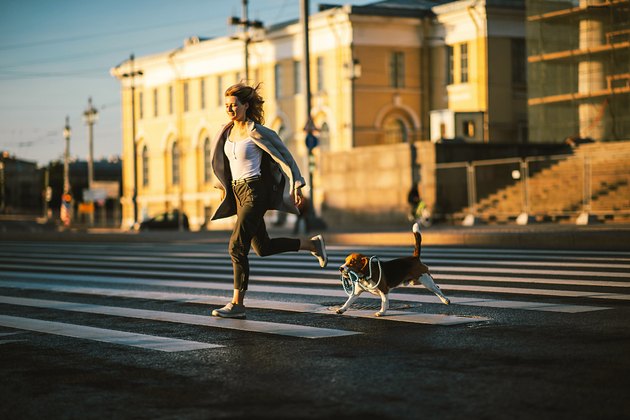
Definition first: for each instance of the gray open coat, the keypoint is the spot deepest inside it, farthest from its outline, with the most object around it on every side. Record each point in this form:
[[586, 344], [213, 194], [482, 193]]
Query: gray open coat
[[279, 170]]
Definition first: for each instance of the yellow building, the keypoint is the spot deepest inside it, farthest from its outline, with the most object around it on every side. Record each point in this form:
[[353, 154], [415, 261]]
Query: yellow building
[[383, 74]]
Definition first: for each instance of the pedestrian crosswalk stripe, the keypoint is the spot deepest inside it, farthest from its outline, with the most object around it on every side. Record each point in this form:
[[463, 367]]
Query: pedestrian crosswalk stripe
[[213, 259], [11, 340], [310, 291], [540, 292], [322, 292], [194, 249], [526, 305], [412, 317], [440, 277], [534, 280], [104, 335], [418, 318], [264, 267], [291, 330]]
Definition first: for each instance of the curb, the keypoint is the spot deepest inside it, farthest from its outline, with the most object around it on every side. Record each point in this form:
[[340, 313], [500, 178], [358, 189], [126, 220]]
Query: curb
[[549, 237], [604, 240]]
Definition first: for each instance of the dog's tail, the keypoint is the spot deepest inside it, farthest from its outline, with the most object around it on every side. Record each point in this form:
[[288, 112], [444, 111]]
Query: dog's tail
[[418, 236]]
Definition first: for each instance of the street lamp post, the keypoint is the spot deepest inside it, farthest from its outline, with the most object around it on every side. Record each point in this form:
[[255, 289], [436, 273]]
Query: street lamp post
[[245, 23], [132, 74], [2, 204], [66, 162], [311, 140], [66, 197], [91, 116]]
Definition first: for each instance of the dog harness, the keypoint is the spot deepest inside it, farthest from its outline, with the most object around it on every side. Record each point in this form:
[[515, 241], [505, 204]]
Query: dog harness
[[353, 278]]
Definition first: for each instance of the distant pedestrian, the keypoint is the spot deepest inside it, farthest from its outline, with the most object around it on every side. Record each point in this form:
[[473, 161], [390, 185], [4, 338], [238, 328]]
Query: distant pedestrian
[[418, 211], [413, 198], [256, 173]]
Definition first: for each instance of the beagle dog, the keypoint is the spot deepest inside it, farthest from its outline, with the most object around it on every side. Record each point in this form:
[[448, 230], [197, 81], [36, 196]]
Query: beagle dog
[[378, 278]]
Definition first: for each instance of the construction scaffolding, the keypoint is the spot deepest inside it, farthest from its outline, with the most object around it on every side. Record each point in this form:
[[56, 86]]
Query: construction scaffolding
[[578, 70]]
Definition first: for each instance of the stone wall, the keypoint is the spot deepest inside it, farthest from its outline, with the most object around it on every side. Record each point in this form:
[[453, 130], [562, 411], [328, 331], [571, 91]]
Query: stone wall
[[369, 185], [366, 185]]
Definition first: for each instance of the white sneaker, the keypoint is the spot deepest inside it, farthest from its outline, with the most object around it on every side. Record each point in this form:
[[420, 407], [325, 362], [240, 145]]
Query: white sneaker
[[231, 310], [320, 250], [445, 300]]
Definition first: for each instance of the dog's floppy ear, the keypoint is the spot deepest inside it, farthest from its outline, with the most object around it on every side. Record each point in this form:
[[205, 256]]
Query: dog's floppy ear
[[364, 262]]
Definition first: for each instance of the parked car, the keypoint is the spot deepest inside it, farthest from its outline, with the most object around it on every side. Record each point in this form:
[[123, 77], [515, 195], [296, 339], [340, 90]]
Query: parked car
[[165, 221]]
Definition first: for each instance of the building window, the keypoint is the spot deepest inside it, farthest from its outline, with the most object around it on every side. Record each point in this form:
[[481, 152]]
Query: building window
[[320, 74], [397, 69], [145, 166], [170, 99], [442, 130], [469, 128], [450, 65], [277, 77], [202, 93], [207, 160], [175, 164], [519, 62], [463, 62], [324, 136], [186, 97], [220, 101], [155, 102], [140, 105], [297, 77], [395, 131]]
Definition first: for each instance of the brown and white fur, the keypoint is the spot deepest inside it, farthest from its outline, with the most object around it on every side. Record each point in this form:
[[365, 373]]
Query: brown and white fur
[[398, 272]]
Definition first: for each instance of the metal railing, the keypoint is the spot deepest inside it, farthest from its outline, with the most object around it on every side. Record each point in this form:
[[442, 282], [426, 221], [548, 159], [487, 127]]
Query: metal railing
[[553, 188]]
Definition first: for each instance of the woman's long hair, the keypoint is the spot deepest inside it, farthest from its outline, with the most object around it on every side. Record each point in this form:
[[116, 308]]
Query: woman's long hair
[[249, 95]]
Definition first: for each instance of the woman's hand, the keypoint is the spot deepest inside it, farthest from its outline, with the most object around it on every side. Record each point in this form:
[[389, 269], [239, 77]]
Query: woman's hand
[[297, 196]]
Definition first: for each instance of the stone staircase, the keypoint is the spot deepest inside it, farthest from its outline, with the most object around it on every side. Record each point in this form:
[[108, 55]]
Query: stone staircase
[[556, 188]]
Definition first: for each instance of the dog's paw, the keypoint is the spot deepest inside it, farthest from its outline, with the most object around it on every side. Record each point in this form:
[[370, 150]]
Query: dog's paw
[[340, 311], [379, 313]]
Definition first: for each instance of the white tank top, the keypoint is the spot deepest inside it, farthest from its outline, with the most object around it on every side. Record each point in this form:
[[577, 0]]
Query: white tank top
[[245, 158]]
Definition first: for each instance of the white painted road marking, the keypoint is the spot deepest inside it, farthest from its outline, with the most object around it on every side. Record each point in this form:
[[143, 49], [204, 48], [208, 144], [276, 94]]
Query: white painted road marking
[[337, 292], [290, 330], [412, 317], [271, 267], [216, 259], [104, 335]]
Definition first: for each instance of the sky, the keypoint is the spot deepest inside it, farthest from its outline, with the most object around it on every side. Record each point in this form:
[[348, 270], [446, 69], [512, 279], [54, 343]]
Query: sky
[[55, 54]]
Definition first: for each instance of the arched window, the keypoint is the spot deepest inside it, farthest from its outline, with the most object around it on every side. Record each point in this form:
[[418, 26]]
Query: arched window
[[207, 160], [145, 166], [324, 136], [175, 164], [283, 132], [395, 131]]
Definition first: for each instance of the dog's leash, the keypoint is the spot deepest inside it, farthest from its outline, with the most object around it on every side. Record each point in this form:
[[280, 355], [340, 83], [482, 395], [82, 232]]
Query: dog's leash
[[353, 278]]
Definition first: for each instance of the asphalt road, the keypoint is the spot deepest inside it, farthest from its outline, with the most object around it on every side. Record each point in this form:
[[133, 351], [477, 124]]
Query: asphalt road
[[529, 334]]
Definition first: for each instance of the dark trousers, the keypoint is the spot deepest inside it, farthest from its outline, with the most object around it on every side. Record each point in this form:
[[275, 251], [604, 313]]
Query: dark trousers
[[250, 230]]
